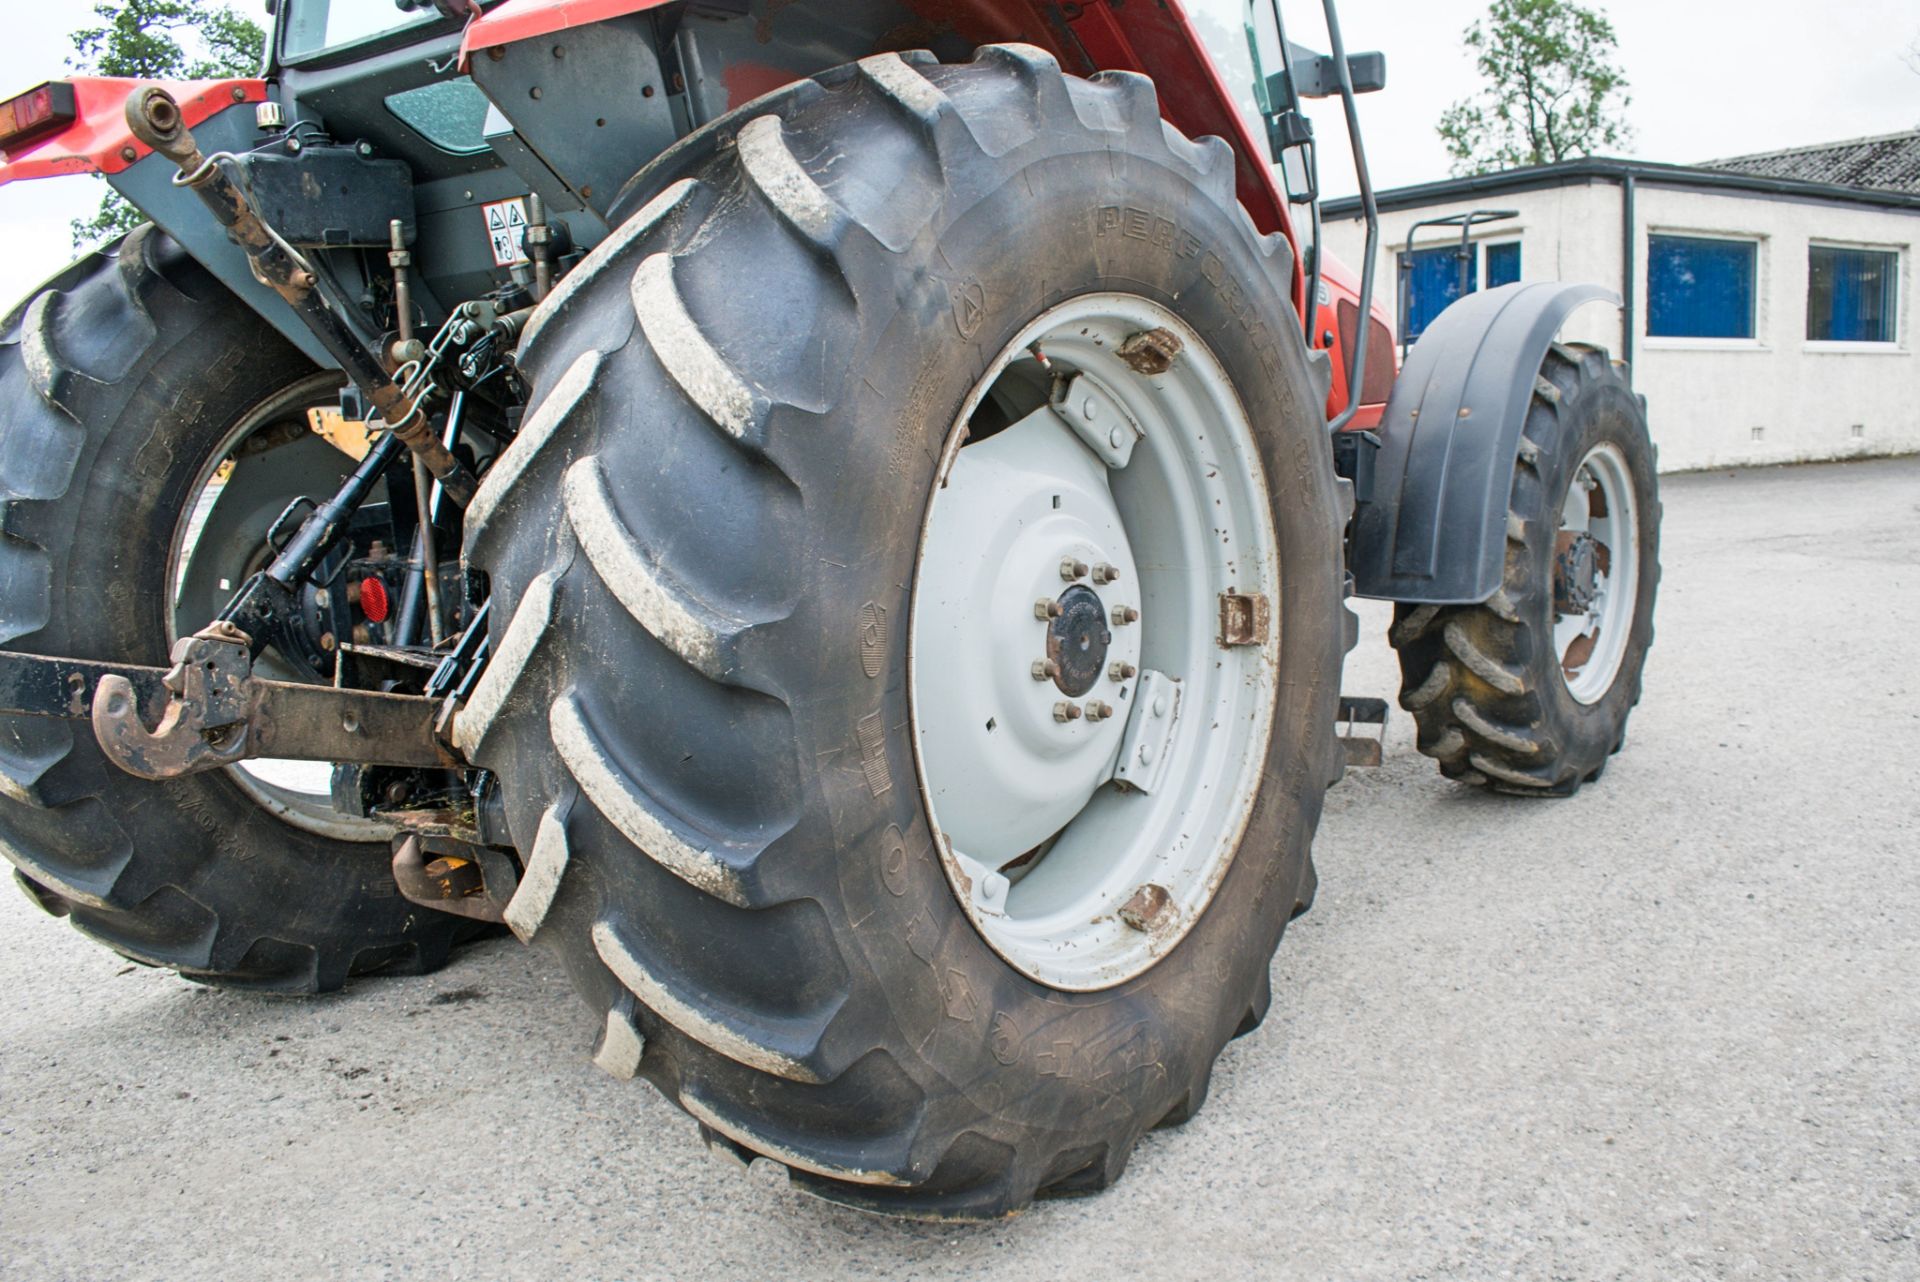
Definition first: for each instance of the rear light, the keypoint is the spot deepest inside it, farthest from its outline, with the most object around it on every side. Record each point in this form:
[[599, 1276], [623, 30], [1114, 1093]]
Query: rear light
[[35, 113], [373, 600]]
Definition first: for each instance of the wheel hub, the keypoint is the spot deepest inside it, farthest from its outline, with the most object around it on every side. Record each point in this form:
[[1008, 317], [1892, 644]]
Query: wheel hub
[[1077, 641], [1575, 566]]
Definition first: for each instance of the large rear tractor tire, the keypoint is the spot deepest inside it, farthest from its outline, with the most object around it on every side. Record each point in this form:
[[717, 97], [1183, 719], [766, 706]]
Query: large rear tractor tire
[[122, 386], [1529, 692], [780, 559]]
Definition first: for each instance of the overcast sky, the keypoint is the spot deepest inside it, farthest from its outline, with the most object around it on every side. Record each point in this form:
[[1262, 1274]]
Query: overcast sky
[[1710, 78]]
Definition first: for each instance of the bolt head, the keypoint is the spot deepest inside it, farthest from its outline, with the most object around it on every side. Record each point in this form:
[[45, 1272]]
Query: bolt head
[[129, 154], [1045, 609], [1122, 672], [1072, 568], [1115, 437], [1104, 573], [1125, 614], [1064, 711], [1045, 669], [1160, 706]]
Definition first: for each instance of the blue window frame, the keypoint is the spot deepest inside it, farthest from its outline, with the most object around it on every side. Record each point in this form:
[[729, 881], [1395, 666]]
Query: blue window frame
[[1434, 282], [1503, 264], [1699, 287], [1851, 294]]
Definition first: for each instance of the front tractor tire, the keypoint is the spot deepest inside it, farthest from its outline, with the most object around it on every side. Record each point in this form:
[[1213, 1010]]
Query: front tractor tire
[[122, 386], [710, 547], [1528, 692]]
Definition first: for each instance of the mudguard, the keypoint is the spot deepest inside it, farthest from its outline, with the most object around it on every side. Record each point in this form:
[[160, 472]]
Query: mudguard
[[1435, 528]]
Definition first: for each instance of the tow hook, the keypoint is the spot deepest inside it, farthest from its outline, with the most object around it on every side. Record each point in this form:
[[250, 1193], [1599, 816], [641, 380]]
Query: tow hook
[[216, 712]]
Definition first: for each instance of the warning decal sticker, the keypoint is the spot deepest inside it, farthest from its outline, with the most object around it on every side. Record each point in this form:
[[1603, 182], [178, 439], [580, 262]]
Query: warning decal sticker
[[506, 228]]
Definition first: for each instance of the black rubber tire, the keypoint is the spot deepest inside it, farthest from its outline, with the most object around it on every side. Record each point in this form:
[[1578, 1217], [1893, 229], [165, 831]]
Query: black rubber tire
[[721, 783], [117, 383], [1483, 682]]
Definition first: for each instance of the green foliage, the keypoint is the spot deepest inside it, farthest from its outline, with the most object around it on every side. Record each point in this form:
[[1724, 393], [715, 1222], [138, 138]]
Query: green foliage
[[159, 40], [1553, 88]]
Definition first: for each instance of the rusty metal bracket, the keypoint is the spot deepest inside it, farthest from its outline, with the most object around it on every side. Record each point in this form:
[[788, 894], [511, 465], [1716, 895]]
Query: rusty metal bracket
[[209, 710], [1245, 619], [1363, 751], [461, 878]]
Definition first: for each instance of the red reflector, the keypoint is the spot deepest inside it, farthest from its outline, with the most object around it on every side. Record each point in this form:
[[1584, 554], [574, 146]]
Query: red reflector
[[373, 600], [35, 112]]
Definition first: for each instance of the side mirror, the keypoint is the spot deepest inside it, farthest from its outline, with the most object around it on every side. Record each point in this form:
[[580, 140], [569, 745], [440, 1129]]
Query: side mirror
[[1290, 142]]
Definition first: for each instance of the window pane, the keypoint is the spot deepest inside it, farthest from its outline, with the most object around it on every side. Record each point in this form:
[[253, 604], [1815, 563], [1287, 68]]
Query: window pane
[[1851, 295], [1699, 288], [313, 25], [1503, 264], [1433, 281], [450, 114]]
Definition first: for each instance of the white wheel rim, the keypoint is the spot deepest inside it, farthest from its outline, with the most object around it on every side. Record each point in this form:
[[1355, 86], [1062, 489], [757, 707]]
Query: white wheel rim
[[1596, 573], [1081, 858]]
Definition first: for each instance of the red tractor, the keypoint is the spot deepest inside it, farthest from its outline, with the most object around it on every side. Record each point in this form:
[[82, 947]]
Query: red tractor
[[834, 518]]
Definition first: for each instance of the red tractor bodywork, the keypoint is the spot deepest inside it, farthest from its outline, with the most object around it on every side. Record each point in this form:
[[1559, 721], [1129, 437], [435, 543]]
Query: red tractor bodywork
[[98, 140], [1156, 40]]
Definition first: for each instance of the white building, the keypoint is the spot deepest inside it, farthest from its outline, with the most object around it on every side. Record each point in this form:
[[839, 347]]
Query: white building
[[1768, 312]]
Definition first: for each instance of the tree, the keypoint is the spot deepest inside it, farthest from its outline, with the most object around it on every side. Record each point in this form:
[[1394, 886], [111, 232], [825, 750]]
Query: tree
[[159, 40], [1553, 88]]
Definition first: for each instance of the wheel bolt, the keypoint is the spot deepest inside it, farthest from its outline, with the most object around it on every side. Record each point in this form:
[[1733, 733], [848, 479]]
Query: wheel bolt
[[1045, 669], [1098, 711], [1045, 609], [1121, 672], [1104, 573], [1064, 711], [1123, 614], [1072, 568]]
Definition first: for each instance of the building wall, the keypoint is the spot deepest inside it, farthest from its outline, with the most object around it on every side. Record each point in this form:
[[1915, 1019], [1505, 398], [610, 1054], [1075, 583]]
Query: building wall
[[1711, 403]]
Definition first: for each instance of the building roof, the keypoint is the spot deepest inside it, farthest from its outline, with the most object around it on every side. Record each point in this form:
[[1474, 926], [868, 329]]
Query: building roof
[[1890, 162], [1590, 169]]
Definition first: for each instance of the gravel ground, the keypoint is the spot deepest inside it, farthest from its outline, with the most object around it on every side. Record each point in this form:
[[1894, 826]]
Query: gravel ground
[[1665, 1030]]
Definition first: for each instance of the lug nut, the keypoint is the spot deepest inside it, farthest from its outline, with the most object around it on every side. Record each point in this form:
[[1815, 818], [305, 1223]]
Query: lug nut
[[1045, 609], [1072, 568], [1098, 711], [1124, 614], [1045, 669], [1121, 672], [1104, 573], [1064, 711]]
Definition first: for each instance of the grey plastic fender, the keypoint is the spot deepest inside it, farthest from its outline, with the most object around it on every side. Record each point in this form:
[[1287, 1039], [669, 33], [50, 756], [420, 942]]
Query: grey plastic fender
[[1435, 530]]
